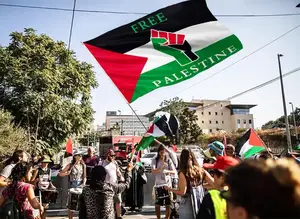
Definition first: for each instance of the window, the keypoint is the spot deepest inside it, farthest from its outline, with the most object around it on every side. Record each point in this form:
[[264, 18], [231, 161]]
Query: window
[[210, 130], [241, 111], [209, 122], [250, 121], [202, 121], [202, 113], [217, 122], [222, 122], [238, 124], [221, 105], [216, 113], [222, 114], [209, 113], [244, 121]]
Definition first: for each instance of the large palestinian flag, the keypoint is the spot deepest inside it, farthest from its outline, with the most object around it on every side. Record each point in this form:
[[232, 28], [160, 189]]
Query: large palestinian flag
[[249, 144], [165, 124], [163, 48]]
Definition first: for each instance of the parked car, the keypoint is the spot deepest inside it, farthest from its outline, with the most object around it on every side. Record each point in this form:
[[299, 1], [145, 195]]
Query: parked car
[[146, 160]]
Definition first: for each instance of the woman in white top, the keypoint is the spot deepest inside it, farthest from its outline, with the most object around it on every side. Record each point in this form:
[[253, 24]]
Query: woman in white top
[[76, 170]]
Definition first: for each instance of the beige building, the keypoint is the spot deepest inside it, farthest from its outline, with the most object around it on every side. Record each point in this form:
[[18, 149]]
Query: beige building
[[216, 115]]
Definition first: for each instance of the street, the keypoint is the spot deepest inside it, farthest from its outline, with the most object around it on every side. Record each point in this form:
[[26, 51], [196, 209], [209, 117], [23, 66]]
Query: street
[[148, 213]]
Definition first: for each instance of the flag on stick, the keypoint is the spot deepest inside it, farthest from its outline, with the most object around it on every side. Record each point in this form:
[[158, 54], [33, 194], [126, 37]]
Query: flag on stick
[[165, 124], [163, 48], [249, 144], [69, 148]]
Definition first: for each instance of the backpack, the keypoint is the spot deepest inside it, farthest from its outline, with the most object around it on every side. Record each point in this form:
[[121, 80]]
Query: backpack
[[10, 210]]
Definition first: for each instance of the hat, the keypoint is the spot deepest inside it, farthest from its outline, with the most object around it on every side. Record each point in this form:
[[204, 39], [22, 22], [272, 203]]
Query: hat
[[222, 163], [77, 153], [217, 147], [46, 159]]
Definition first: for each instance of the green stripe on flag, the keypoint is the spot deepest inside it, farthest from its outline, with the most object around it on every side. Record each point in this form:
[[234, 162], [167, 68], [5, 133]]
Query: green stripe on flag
[[252, 151], [145, 143], [173, 73]]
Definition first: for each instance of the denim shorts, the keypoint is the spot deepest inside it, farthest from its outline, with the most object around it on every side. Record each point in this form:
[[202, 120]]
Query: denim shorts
[[75, 184]]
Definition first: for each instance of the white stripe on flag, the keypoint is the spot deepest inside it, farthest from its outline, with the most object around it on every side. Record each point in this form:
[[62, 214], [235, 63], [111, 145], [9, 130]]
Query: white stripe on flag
[[245, 148], [198, 36]]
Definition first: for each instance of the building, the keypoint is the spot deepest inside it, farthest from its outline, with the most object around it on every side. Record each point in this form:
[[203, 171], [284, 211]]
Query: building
[[128, 124], [101, 128], [215, 115]]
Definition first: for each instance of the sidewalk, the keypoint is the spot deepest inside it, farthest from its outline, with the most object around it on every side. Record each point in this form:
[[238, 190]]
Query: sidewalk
[[147, 213]]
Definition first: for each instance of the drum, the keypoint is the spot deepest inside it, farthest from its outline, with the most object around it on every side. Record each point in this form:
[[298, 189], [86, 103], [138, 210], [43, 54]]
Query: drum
[[73, 199], [161, 193], [49, 196]]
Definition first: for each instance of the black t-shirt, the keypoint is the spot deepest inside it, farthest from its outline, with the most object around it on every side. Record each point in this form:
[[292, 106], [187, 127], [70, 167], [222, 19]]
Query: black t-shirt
[[207, 209]]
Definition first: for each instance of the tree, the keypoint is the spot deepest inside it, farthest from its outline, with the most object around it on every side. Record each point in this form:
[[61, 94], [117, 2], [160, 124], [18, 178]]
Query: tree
[[189, 131], [11, 137], [280, 122], [45, 88]]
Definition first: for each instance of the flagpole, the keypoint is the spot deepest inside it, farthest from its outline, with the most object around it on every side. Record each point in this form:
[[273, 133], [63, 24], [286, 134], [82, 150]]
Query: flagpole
[[157, 141]]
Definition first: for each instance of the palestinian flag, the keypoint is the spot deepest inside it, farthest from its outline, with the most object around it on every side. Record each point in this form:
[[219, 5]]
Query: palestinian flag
[[163, 48], [69, 148], [249, 144], [165, 124]]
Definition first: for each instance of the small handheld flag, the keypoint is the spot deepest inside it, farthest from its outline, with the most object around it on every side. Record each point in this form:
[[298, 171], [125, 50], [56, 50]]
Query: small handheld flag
[[165, 124]]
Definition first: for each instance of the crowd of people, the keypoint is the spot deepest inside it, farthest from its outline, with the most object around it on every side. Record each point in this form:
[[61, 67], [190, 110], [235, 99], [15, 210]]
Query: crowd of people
[[224, 186]]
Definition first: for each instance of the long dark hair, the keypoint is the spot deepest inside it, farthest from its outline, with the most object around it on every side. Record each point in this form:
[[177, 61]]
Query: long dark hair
[[20, 171], [160, 148], [15, 158], [193, 173]]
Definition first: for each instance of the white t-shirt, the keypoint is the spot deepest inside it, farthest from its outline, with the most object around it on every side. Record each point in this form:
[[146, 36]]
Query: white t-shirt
[[6, 173], [111, 171]]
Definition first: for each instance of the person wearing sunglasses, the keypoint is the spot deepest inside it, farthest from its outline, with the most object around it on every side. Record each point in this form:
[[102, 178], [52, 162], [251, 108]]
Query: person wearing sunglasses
[[263, 189], [213, 206]]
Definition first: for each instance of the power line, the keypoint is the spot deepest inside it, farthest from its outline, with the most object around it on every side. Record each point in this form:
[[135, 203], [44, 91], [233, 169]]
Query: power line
[[234, 63], [139, 13], [253, 88]]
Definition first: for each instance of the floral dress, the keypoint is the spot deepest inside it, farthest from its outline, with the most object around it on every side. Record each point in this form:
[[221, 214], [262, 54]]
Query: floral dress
[[19, 190]]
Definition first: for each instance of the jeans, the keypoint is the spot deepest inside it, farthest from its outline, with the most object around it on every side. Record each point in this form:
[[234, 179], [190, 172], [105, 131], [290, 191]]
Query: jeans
[[75, 184]]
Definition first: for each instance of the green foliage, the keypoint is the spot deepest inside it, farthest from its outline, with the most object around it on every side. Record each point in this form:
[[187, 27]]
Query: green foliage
[[11, 137], [280, 122], [45, 88], [189, 131]]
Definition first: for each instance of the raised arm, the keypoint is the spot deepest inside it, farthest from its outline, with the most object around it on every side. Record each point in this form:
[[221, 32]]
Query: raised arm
[[33, 200]]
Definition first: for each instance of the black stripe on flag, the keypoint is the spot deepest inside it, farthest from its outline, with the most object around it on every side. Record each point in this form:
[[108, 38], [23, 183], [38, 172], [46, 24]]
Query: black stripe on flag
[[179, 16], [169, 127], [242, 141]]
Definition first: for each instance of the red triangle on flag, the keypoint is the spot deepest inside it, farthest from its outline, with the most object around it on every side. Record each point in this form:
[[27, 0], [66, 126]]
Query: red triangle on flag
[[69, 148], [255, 140], [151, 129], [124, 70]]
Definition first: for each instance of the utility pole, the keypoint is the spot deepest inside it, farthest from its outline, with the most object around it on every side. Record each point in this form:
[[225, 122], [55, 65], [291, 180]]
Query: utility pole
[[288, 134], [295, 124]]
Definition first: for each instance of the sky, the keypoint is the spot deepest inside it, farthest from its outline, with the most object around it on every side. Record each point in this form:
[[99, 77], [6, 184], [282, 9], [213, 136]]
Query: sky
[[254, 32]]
